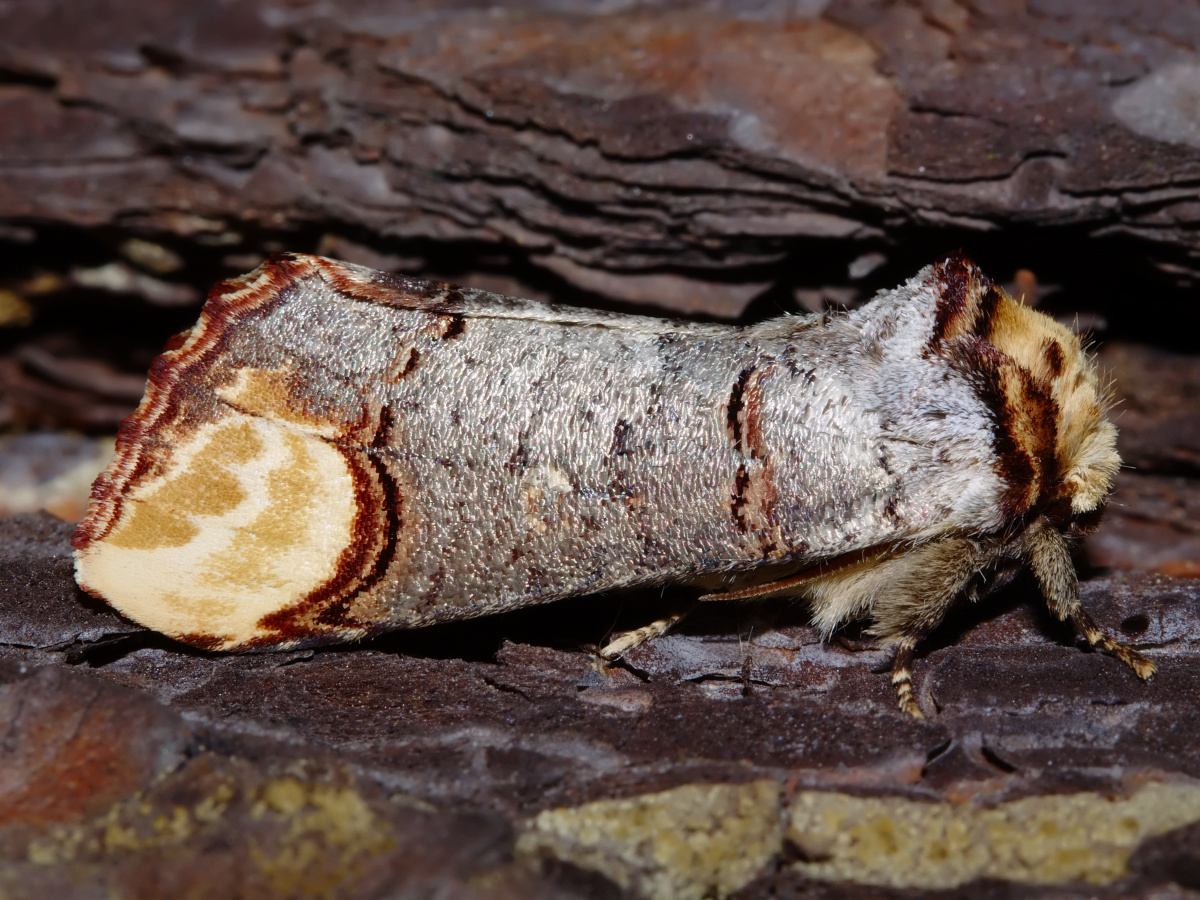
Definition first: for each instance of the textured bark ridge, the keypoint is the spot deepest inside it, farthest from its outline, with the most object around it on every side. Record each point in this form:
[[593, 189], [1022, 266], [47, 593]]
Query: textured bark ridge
[[667, 154]]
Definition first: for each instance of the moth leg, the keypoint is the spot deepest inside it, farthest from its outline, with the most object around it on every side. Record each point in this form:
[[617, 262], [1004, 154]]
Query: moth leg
[[915, 592], [1050, 559], [1142, 666], [902, 678], [628, 640]]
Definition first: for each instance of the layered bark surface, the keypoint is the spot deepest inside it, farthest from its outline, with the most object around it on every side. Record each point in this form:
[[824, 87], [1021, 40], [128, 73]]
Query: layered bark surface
[[665, 153]]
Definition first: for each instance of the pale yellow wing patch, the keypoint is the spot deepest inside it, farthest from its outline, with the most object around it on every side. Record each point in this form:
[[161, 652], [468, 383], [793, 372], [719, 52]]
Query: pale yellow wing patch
[[266, 393], [250, 518]]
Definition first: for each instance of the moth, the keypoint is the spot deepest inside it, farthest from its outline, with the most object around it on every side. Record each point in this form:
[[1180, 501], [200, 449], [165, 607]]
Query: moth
[[332, 452]]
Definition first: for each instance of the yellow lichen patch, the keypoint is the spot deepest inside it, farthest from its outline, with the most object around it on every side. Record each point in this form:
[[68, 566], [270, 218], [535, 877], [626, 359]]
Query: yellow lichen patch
[[1039, 840], [130, 826], [301, 838], [696, 841], [266, 393], [250, 519], [709, 840], [324, 823]]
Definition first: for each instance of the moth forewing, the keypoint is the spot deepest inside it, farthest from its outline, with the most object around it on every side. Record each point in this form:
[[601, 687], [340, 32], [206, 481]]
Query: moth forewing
[[332, 452]]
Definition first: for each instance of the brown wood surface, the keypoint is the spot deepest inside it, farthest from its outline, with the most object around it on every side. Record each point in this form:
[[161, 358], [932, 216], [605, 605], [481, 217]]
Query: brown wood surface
[[720, 159]]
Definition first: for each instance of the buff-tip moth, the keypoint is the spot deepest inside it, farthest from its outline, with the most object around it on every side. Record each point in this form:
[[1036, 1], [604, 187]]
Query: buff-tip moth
[[332, 452]]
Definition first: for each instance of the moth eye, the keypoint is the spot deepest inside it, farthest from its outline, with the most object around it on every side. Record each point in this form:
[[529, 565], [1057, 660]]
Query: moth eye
[[1059, 512], [1087, 522]]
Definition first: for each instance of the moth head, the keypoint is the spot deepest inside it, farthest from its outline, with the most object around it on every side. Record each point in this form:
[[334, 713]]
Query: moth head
[[1085, 441], [1055, 446]]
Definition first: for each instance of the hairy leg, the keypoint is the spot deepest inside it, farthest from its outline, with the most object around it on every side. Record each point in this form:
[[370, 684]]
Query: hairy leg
[[627, 640], [916, 597], [902, 678], [1050, 559]]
